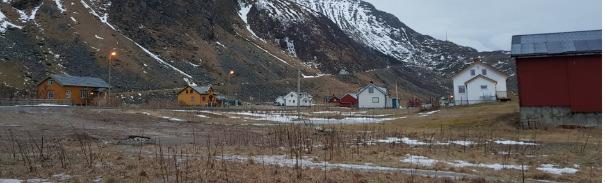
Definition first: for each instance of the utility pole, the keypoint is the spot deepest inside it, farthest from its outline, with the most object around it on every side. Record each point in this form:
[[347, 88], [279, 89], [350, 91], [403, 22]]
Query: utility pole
[[396, 94], [298, 95]]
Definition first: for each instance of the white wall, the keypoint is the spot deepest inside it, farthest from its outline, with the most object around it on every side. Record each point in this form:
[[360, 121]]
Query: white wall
[[365, 98], [465, 75], [305, 100], [477, 95]]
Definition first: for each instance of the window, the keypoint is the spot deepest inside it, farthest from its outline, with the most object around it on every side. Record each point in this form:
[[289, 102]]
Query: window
[[67, 93], [50, 94], [461, 89], [375, 100], [472, 72], [484, 87], [192, 98], [371, 90], [484, 71], [84, 94], [203, 98], [50, 82]]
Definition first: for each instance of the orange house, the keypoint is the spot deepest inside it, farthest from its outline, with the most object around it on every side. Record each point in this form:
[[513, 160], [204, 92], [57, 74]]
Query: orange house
[[197, 96], [72, 89]]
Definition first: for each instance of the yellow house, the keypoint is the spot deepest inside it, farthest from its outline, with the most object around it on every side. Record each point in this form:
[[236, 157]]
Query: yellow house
[[72, 89], [196, 96]]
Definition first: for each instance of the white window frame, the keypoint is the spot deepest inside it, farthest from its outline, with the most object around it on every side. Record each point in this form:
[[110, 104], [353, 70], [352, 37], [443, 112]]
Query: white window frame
[[461, 89], [50, 94], [484, 71], [68, 94], [375, 100], [473, 73], [484, 87], [371, 90]]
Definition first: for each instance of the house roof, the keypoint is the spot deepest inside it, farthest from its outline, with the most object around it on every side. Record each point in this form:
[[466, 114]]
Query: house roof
[[201, 89], [380, 89], [563, 43], [303, 94], [67, 80], [481, 63], [350, 94], [198, 89], [480, 77]]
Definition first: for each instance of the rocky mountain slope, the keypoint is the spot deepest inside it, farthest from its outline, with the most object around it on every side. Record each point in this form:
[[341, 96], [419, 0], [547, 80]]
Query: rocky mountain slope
[[168, 44]]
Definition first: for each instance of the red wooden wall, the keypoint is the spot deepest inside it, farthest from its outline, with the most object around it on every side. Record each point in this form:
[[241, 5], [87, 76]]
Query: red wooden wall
[[566, 81]]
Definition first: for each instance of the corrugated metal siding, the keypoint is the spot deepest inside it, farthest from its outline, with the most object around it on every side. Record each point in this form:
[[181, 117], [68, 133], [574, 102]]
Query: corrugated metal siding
[[571, 81]]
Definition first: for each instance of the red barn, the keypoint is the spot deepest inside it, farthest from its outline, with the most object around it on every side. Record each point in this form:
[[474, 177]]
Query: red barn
[[349, 100], [559, 78]]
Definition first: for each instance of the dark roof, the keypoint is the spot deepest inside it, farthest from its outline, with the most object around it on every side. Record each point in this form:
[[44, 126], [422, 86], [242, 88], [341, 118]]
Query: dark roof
[[201, 89], [380, 89], [484, 64], [480, 76], [564, 43], [67, 80]]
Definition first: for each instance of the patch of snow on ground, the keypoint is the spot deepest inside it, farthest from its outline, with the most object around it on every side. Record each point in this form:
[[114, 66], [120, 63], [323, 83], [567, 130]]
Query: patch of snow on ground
[[292, 118], [99, 37], [43, 105], [172, 119], [24, 181], [202, 116], [59, 4], [317, 76], [419, 160], [306, 162], [413, 142], [425, 114], [510, 142], [550, 168]]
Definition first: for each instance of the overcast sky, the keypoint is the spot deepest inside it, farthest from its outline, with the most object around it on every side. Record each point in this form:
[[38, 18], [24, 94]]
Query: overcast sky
[[489, 24]]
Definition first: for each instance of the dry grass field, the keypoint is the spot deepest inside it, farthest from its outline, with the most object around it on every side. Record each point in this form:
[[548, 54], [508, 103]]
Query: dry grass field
[[478, 143]]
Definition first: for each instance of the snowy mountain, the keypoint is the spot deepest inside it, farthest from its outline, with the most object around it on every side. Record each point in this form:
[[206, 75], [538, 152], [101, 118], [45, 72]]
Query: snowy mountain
[[168, 44]]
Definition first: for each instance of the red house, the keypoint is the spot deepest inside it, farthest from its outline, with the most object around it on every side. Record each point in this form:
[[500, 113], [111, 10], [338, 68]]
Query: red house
[[333, 99], [559, 78], [348, 100]]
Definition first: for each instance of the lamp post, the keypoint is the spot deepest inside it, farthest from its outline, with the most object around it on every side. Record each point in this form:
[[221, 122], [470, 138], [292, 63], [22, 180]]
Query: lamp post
[[111, 56], [231, 73]]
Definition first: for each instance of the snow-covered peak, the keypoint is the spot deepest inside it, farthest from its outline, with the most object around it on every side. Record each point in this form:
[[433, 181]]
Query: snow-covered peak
[[356, 18]]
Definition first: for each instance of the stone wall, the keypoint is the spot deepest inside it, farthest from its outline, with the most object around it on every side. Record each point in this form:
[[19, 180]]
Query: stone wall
[[541, 117]]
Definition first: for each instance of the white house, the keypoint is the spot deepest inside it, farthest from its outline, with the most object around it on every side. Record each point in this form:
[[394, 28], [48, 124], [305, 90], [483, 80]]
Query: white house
[[306, 100], [375, 97], [479, 82]]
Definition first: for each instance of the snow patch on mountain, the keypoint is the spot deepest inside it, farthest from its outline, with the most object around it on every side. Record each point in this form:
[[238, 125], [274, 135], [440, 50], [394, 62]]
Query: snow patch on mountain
[[59, 4], [24, 17], [5, 24], [284, 11], [291, 48], [158, 59], [243, 14], [359, 23], [103, 18]]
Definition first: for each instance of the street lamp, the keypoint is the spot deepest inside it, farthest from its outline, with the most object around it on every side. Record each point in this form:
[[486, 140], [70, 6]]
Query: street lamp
[[231, 73], [111, 56]]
